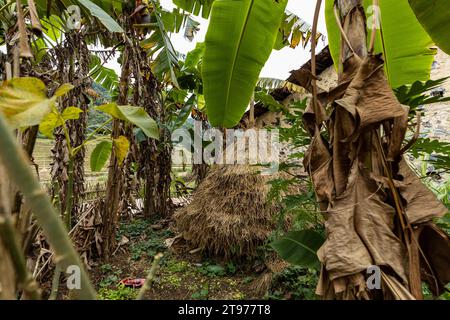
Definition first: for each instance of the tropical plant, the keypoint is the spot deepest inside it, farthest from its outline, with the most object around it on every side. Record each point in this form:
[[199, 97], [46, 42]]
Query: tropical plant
[[343, 169]]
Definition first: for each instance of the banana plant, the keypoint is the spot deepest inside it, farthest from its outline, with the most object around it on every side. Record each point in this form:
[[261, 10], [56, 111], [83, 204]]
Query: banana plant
[[24, 103], [292, 32], [406, 46], [434, 17], [238, 43]]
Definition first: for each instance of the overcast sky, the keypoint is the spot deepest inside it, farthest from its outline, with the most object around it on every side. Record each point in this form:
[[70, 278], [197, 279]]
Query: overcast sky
[[280, 62]]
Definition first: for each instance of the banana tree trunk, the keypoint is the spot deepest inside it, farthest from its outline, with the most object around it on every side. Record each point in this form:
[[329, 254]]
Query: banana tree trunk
[[7, 272], [375, 206], [115, 183], [73, 65]]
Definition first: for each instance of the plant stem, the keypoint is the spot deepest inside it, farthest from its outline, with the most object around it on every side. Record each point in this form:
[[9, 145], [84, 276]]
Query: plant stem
[[55, 283], [150, 276], [104, 124], [19, 170], [69, 194]]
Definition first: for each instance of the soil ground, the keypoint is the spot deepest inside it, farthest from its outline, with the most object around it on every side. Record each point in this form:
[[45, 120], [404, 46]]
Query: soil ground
[[181, 275]]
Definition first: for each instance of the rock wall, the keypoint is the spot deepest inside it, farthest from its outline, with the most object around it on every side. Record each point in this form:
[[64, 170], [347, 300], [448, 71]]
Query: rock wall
[[436, 123]]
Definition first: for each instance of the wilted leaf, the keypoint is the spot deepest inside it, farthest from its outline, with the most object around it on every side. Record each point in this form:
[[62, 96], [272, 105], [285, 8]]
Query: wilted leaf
[[62, 90], [100, 155], [49, 124], [71, 113], [53, 120], [121, 147], [24, 101]]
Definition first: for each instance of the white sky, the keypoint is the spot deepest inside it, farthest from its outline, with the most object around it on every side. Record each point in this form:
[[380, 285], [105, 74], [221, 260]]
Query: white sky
[[280, 62]]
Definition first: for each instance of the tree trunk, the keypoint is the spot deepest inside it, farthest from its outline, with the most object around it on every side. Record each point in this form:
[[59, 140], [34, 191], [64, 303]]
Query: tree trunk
[[115, 184], [73, 67], [363, 183], [7, 272], [155, 157]]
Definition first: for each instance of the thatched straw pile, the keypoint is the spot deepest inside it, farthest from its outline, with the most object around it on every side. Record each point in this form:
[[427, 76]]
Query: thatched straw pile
[[229, 214]]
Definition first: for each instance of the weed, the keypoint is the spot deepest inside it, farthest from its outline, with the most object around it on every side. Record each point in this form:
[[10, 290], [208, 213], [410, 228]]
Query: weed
[[295, 283], [176, 266], [112, 276], [201, 295], [120, 293], [211, 270]]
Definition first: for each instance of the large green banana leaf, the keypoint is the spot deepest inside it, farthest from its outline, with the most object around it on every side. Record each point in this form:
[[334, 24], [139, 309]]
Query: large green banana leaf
[[292, 32], [238, 43], [434, 15], [405, 45]]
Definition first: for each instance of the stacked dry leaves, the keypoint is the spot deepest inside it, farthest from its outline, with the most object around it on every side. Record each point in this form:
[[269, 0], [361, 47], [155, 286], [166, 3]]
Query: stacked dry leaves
[[229, 214], [377, 211]]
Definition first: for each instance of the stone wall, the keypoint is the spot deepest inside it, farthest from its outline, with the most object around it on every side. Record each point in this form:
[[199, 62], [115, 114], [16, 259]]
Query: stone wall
[[436, 123]]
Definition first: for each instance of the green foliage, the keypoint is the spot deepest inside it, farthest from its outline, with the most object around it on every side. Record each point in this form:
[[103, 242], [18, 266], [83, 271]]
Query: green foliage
[[159, 44], [415, 95], [56, 119], [292, 32], [102, 75], [203, 294], [112, 276], [427, 295], [100, 155], [268, 101], [183, 114], [299, 247], [147, 248], [134, 115], [406, 46], [439, 152], [435, 18], [134, 229], [176, 266], [294, 283], [239, 40], [212, 270], [120, 293], [194, 58], [145, 242], [196, 7], [104, 18], [444, 222]]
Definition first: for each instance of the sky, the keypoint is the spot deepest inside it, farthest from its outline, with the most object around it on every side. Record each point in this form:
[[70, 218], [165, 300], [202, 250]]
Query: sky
[[280, 62]]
